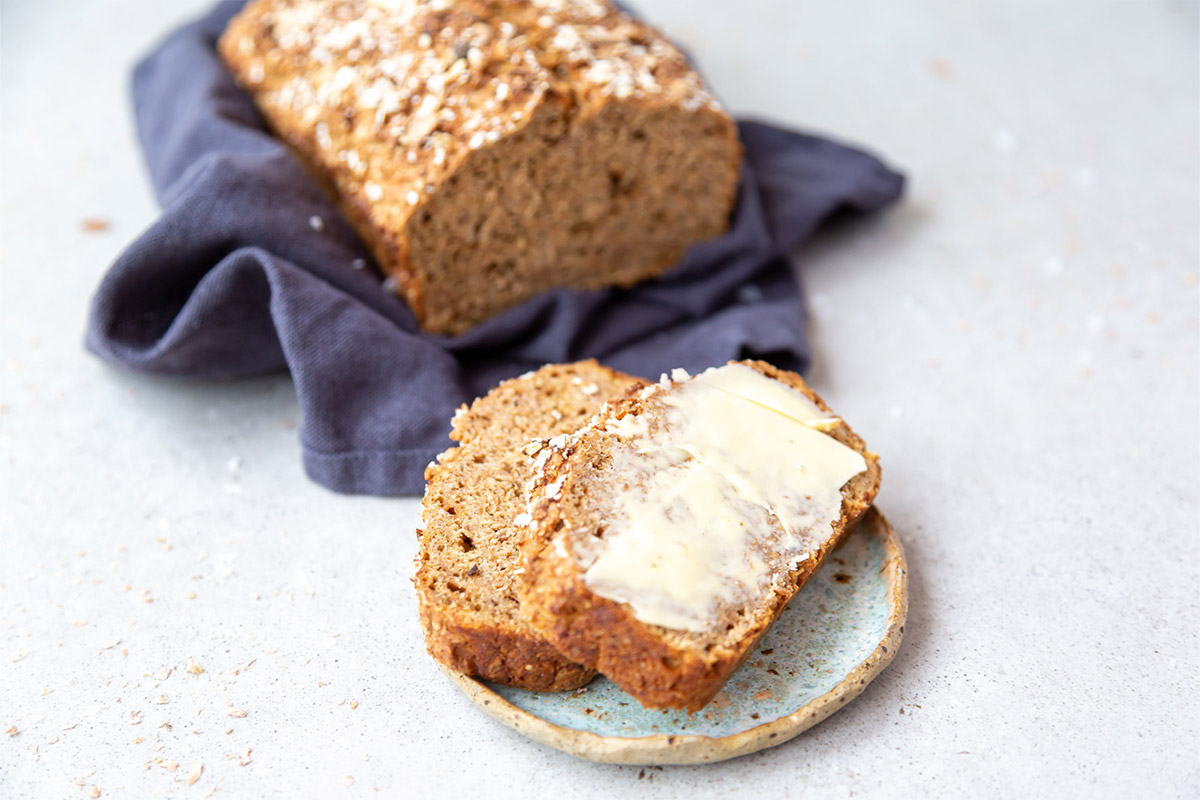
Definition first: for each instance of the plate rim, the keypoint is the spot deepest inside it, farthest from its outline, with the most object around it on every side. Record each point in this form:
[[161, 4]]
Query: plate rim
[[666, 749]]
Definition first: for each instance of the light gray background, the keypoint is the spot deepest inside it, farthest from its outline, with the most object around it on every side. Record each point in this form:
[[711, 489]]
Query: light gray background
[[1018, 341]]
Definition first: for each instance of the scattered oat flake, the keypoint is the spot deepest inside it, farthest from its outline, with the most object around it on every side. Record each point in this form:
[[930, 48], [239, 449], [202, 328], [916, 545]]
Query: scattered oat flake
[[193, 668], [940, 68], [191, 595], [45, 692], [52, 739], [18, 656], [93, 225], [194, 774], [110, 646], [163, 674], [94, 791], [244, 758], [353, 704], [13, 731], [235, 712], [228, 731], [172, 766], [349, 780], [162, 700]]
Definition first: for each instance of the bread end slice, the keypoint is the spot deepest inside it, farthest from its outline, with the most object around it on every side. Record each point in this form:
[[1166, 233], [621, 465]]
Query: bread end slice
[[467, 560], [575, 504]]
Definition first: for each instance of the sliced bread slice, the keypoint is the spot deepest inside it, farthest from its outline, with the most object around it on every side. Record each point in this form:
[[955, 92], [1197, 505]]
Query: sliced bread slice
[[665, 537], [467, 559]]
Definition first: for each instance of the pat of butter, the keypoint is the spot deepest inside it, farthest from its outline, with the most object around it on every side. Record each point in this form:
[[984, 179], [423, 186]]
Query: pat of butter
[[662, 565], [740, 485]]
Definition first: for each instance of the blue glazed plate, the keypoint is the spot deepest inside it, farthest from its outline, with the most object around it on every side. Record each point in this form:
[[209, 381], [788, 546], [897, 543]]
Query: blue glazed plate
[[837, 634]]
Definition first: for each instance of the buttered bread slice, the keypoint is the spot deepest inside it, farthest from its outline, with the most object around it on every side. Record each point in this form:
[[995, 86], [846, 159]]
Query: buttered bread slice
[[665, 537], [467, 559]]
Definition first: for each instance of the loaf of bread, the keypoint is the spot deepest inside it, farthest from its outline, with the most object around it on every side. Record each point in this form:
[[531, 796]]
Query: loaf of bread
[[489, 150], [467, 560], [665, 537]]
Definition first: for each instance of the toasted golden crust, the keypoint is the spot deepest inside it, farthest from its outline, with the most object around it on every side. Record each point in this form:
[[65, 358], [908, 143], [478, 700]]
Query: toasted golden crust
[[467, 558], [530, 145], [660, 667]]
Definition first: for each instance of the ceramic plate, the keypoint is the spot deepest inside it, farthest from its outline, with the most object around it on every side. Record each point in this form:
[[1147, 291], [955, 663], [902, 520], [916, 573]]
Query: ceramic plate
[[837, 634]]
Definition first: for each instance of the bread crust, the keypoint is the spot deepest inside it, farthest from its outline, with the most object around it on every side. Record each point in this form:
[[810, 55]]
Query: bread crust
[[502, 655], [497, 644], [391, 104], [604, 634]]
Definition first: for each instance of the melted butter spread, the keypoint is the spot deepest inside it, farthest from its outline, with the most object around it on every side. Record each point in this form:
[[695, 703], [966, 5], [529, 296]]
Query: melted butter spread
[[737, 485]]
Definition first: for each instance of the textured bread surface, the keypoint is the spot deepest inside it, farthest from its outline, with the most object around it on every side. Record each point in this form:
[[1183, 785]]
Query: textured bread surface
[[572, 504], [467, 558], [503, 145]]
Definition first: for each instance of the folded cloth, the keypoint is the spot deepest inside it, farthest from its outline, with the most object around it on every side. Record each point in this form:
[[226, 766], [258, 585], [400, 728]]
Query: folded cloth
[[250, 269]]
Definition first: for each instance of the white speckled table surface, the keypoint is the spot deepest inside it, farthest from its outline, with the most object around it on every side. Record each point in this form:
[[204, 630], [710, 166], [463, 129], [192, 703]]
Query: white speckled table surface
[[1019, 340]]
